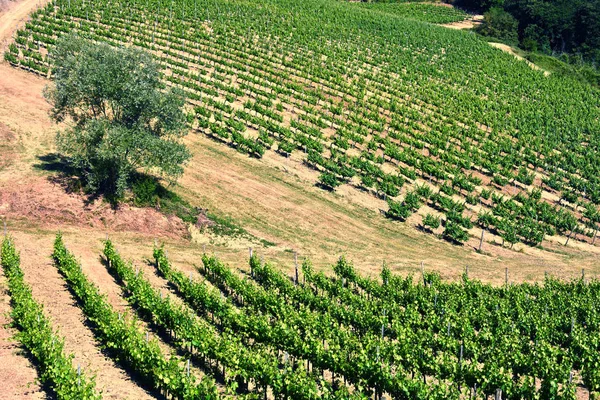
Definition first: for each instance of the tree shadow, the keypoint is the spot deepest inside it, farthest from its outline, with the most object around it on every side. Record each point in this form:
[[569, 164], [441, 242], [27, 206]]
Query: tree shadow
[[66, 175]]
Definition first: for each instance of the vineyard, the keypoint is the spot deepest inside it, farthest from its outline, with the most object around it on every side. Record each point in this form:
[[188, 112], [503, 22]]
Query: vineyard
[[425, 12], [434, 122], [257, 333]]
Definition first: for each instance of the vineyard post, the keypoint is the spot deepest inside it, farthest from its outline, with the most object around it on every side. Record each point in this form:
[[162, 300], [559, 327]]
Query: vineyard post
[[296, 266], [569, 237], [498, 394], [481, 240], [4, 228], [506, 276], [251, 267], [460, 361], [583, 275], [423, 273]]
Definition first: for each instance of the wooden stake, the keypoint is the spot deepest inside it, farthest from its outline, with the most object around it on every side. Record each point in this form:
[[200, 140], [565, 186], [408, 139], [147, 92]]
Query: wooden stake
[[498, 394], [296, 266], [481, 240]]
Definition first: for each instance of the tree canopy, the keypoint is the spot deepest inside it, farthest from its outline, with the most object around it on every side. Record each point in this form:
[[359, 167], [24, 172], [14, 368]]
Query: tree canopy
[[121, 117], [549, 26]]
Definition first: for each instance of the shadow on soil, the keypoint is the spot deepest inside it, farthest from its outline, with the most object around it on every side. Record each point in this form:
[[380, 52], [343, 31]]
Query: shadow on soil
[[65, 175]]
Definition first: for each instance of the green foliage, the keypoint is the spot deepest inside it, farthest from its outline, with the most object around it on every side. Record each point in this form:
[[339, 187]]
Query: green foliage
[[397, 210], [431, 221], [122, 118], [454, 233], [11, 58], [256, 326], [329, 181], [242, 361], [580, 71], [499, 24], [356, 105], [550, 27], [149, 192], [425, 12], [36, 334], [123, 339]]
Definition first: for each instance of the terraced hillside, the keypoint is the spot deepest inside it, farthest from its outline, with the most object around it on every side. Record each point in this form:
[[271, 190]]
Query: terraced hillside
[[423, 117]]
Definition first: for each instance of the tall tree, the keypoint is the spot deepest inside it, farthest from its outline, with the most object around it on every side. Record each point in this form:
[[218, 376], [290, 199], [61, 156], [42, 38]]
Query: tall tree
[[121, 117]]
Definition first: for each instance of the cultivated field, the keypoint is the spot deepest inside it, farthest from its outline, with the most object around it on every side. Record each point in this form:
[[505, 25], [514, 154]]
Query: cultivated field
[[399, 122]]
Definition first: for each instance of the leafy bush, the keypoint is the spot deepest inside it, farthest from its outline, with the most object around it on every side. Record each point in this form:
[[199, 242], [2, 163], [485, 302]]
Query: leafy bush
[[148, 192], [431, 221], [499, 24], [454, 233], [397, 210], [329, 181]]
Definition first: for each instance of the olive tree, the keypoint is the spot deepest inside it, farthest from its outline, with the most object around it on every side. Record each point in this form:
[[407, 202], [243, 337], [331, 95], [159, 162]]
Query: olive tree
[[121, 118]]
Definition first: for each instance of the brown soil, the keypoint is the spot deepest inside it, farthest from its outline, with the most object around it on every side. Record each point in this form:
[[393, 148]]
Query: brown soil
[[273, 198], [7, 151], [470, 23], [17, 375], [43, 200], [14, 13]]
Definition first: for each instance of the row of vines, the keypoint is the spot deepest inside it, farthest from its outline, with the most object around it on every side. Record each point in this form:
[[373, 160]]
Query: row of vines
[[375, 100], [261, 334]]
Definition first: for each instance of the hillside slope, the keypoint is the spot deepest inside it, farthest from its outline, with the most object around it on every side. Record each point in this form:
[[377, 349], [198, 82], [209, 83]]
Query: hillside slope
[[382, 103]]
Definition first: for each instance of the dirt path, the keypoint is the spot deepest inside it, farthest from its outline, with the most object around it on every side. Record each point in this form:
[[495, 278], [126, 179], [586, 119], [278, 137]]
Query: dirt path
[[13, 16], [510, 50], [466, 24]]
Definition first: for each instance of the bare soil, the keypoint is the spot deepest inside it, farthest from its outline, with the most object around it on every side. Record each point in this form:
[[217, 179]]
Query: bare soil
[[470, 23]]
